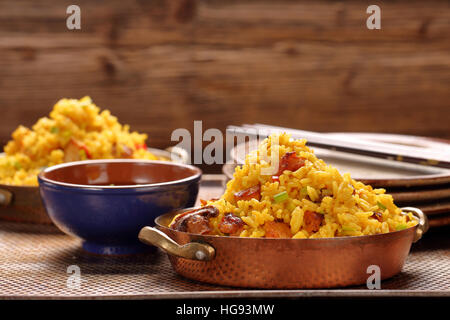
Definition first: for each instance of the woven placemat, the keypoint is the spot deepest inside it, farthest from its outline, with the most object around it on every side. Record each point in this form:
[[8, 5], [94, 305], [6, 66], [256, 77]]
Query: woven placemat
[[35, 260]]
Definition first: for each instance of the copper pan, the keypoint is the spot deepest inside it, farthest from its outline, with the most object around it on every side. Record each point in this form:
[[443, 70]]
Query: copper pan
[[283, 263], [22, 204]]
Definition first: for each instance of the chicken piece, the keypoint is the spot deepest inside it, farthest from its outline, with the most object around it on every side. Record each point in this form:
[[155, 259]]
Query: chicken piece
[[312, 221], [276, 229], [127, 152], [74, 151], [122, 151], [197, 224], [195, 221], [290, 161], [248, 194], [231, 225]]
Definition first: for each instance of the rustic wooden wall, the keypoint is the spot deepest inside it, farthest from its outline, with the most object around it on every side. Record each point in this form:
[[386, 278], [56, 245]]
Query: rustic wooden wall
[[159, 65]]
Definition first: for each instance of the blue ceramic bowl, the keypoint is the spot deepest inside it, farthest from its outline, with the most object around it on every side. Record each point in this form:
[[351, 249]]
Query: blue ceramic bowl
[[106, 202]]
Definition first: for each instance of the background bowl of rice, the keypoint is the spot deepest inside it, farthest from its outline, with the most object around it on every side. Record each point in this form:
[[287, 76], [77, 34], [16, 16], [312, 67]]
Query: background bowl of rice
[[74, 130]]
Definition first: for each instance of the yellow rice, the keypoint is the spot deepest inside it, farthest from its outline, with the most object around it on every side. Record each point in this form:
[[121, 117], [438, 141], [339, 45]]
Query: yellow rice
[[347, 204], [100, 132]]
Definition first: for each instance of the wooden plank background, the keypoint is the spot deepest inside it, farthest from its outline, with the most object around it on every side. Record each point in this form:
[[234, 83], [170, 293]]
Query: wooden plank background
[[160, 65]]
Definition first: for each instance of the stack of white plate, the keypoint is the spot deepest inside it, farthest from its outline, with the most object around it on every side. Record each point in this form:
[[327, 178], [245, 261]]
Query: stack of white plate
[[427, 188]]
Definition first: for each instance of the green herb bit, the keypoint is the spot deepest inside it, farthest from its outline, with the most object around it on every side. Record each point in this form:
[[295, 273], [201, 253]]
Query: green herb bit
[[381, 206], [54, 130], [349, 229], [17, 165], [83, 154], [280, 197], [401, 226]]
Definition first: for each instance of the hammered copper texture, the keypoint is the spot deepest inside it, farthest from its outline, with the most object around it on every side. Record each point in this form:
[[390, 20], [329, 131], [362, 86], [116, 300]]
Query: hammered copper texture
[[292, 263], [34, 261]]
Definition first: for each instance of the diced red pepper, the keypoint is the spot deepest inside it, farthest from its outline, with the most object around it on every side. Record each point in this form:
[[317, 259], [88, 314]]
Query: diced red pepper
[[86, 150], [248, 194], [140, 146]]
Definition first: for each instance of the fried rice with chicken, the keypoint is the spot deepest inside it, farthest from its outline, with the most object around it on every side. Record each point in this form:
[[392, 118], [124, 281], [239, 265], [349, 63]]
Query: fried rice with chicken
[[75, 130], [304, 198]]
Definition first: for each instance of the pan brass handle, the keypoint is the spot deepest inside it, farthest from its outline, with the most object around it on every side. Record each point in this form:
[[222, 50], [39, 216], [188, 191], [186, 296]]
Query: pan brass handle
[[422, 226], [192, 250], [5, 197]]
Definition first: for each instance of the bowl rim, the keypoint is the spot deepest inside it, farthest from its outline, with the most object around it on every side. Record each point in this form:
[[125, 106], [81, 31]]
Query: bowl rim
[[193, 177]]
